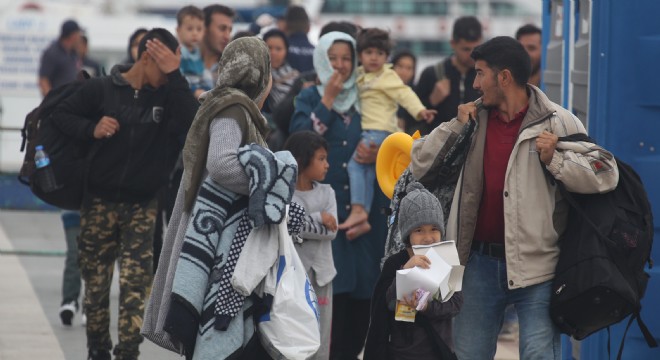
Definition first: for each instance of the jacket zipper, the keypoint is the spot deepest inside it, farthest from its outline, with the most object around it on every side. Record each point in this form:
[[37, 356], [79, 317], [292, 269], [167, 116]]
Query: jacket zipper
[[130, 147], [532, 123]]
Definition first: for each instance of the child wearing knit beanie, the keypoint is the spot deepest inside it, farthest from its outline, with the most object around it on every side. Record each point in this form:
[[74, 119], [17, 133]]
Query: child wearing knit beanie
[[421, 222]]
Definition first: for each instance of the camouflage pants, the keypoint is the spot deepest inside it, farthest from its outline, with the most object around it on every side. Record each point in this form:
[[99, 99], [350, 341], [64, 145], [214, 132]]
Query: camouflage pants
[[111, 232]]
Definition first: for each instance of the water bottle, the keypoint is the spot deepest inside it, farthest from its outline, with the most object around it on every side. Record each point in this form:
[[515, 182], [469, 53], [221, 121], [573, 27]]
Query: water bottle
[[45, 175]]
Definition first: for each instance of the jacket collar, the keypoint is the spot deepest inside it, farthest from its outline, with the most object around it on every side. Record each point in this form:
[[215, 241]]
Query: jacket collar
[[540, 107], [119, 80]]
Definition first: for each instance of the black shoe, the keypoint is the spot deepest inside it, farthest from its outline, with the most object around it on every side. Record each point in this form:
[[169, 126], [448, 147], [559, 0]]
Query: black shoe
[[98, 354]]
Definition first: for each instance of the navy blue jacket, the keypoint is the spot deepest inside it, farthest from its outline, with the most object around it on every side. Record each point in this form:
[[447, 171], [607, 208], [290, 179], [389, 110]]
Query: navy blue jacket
[[357, 261], [300, 53]]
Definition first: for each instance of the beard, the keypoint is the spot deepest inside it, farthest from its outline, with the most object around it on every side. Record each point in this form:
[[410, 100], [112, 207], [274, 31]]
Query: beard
[[536, 67]]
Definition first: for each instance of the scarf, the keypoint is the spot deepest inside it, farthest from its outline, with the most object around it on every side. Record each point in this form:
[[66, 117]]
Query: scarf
[[283, 79], [348, 97], [242, 80]]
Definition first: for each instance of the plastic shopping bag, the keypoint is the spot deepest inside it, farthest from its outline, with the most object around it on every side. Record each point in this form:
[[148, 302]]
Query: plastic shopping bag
[[291, 329]]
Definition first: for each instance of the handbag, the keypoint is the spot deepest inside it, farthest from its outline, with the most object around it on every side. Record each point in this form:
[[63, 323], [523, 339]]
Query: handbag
[[290, 330]]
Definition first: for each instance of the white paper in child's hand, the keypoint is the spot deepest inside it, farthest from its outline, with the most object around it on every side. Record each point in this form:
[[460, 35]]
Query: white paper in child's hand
[[448, 252], [409, 280]]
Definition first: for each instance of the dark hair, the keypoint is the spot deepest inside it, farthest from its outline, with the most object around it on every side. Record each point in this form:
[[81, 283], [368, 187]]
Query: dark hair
[[404, 53], [277, 33], [240, 34], [216, 9], [467, 28], [528, 29], [297, 20], [131, 40], [161, 34], [505, 52], [69, 27], [190, 10], [303, 145], [341, 26], [374, 37]]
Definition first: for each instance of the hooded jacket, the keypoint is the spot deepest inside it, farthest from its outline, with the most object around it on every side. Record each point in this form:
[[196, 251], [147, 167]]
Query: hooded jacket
[[534, 210], [133, 164]]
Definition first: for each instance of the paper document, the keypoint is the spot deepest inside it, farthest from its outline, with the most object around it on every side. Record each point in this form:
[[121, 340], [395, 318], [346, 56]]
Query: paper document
[[447, 251], [432, 279]]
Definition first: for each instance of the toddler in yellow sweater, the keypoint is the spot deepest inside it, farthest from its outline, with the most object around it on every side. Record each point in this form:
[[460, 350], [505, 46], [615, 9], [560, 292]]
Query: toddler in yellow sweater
[[381, 91]]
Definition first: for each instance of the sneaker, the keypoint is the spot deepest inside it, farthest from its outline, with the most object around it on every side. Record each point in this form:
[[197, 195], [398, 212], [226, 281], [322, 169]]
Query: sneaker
[[98, 354], [83, 318], [66, 312]]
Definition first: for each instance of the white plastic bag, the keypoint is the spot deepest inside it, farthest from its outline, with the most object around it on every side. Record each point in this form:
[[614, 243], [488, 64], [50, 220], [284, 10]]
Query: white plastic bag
[[291, 329]]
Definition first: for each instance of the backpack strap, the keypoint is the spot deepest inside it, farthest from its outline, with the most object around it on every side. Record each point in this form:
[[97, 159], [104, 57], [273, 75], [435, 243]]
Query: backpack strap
[[440, 71], [650, 340]]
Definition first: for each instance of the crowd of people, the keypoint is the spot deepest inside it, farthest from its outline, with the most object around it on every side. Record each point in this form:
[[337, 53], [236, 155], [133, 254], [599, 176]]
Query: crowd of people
[[174, 121]]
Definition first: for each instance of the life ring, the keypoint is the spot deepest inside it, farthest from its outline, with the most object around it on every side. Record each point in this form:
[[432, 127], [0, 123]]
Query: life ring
[[393, 159]]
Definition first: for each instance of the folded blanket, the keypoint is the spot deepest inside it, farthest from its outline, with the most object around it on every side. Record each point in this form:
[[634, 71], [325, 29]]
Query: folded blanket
[[272, 183], [202, 295]]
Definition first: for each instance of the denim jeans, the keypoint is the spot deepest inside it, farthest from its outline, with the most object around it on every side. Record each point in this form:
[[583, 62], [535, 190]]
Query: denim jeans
[[71, 281], [362, 176], [486, 295]]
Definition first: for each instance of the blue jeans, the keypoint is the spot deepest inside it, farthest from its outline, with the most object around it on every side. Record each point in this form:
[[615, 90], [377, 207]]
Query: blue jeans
[[362, 176], [486, 295], [71, 280]]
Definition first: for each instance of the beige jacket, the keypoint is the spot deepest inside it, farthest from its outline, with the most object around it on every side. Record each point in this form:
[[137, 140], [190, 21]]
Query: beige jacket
[[534, 211]]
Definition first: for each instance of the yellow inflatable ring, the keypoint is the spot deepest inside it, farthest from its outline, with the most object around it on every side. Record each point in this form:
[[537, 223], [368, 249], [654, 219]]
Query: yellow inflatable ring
[[393, 159]]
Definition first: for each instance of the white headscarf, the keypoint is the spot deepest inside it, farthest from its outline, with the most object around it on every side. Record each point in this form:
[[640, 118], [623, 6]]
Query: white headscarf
[[348, 97]]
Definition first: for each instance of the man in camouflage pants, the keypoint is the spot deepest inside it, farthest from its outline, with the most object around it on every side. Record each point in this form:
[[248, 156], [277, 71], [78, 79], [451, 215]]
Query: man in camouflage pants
[[139, 136]]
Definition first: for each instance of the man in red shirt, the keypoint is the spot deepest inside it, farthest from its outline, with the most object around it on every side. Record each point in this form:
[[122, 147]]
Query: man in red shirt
[[507, 216]]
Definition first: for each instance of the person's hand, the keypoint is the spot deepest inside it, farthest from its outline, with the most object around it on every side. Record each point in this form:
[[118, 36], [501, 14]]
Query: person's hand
[[166, 60], [332, 88], [440, 91], [106, 127], [198, 92], [413, 301], [427, 115], [328, 221], [546, 143], [366, 154], [418, 260], [465, 111]]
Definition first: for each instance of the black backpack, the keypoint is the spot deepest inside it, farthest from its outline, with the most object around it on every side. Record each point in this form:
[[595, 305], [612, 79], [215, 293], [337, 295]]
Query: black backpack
[[69, 157], [600, 276]]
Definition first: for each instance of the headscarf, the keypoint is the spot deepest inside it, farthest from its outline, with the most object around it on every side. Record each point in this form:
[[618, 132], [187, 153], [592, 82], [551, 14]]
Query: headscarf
[[348, 97], [244, 73]]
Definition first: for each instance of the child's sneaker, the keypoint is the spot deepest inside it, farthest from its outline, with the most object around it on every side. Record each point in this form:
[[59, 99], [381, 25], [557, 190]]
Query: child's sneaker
[[67, 311]]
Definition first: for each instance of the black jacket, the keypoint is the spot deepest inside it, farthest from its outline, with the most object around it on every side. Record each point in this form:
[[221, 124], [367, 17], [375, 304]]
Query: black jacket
[[448, 108], [429, 337], [135, 163]]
